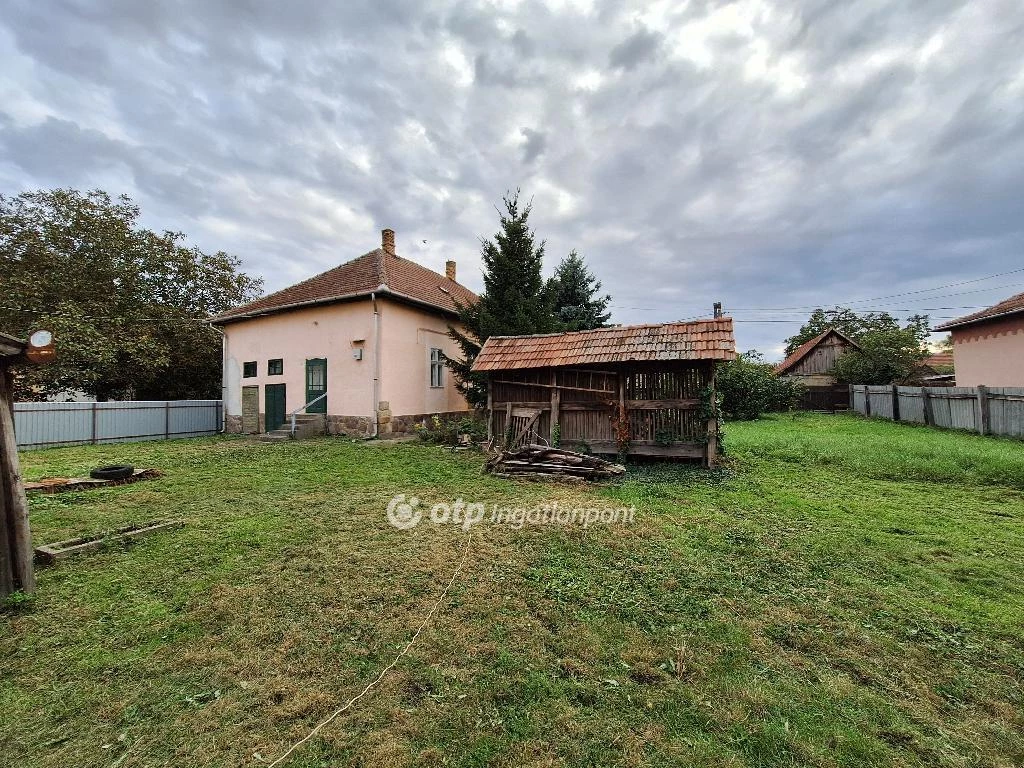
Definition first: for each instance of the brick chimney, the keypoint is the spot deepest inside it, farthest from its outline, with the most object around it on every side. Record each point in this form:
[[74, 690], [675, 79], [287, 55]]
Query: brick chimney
[[449, 270], [387, 241]]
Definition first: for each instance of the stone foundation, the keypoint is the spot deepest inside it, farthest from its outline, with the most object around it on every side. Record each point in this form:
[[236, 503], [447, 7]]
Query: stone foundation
[[350, 426], [362, 426]]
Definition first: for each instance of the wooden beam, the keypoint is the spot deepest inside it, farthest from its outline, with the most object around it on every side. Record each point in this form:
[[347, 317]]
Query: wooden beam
[[556, 399], [644, 448], [15, 504], [6, 566], [685, 404], [984, 417], [550, 386], [490, 410], [712, 444]]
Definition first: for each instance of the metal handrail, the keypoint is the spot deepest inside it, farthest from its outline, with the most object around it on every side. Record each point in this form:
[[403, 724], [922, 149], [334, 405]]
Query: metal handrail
[[294, 413]]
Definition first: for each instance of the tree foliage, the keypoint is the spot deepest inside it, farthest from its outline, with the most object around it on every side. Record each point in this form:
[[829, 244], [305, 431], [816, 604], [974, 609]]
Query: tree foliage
[[126, 304], [888, 353], [749, 388], [514, 301], [576, 298]]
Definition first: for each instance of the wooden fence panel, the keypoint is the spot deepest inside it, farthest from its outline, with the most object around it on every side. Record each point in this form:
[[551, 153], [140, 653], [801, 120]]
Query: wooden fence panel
[[1006, 411], [947, 407], [911, 404], [881, 401], [859, 401], [963, 406]]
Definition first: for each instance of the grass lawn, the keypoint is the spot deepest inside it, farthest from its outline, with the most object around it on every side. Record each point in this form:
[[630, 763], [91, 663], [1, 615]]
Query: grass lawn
[[845, 592]]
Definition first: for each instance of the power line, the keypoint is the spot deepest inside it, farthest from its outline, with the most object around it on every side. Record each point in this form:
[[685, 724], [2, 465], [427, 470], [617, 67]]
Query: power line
[[890, 296]]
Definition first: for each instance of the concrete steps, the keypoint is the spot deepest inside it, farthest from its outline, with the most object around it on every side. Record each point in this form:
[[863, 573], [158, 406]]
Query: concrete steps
[[306, 425]]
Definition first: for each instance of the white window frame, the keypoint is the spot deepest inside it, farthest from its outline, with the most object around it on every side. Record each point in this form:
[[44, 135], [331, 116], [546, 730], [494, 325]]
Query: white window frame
[[436, 368]]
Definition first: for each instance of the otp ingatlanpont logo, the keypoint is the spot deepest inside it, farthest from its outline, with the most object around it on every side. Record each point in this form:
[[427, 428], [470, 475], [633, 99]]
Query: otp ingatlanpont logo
[[404, 514]]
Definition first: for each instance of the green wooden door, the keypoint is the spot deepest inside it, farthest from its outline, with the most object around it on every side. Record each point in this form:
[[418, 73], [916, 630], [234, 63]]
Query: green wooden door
[[316, 384], [273, 402]]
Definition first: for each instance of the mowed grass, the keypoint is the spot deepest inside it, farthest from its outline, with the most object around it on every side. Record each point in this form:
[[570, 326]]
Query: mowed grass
[[843, 592]]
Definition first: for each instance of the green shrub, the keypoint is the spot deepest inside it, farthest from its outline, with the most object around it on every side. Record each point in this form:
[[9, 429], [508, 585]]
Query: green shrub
[[749, 388], [446, 431]]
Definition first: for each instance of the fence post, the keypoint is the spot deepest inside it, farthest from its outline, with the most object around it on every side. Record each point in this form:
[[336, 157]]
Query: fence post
[[94, 422], [167, 419], [895, 402], [867, 401], [984, 419], [926, 403]]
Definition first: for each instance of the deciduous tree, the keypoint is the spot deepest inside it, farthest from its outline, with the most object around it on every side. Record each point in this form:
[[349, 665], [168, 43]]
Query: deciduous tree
[[127, 305]]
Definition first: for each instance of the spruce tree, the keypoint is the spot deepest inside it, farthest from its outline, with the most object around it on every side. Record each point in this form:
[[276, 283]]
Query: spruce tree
[[578, 305], [515, 300]]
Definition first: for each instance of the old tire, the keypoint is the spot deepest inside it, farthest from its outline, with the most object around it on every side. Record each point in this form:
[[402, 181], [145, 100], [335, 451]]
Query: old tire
[[112, 472]]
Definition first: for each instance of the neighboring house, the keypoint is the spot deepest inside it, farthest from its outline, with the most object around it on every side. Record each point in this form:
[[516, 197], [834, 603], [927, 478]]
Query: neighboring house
[[811, 364], [936, 370], [372, 334], [988, 346]]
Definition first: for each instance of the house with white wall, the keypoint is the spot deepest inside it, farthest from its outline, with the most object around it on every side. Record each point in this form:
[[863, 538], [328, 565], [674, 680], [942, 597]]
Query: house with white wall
[[362, 344]]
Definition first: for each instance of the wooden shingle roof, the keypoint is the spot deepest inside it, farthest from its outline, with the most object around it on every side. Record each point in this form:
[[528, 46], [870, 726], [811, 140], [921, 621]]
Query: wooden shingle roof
[[1011, 306], [695, 340], [377, 272]]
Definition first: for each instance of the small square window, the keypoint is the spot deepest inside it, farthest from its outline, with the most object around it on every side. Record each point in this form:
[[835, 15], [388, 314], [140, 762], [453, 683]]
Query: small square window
[[275, 367], [249, 369], [436, 368]]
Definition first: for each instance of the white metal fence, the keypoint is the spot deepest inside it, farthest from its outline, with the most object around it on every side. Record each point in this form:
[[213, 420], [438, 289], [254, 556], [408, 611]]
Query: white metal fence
[[48, 425], [987, 410]]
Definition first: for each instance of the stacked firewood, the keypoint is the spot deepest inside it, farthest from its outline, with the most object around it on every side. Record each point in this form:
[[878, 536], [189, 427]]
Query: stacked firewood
[[542, 462]]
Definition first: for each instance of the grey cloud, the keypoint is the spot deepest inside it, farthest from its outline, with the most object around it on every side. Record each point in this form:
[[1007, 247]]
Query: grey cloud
[[534, 144], [820, 155], [641, 46]]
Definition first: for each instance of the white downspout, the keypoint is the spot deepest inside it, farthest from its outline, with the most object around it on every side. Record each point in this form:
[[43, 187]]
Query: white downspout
[[377, 363]]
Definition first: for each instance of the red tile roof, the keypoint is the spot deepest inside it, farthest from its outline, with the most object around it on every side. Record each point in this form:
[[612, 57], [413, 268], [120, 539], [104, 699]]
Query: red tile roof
[[695, 340], [939, 359], [374, 272], [798, 354], [1010, 306]]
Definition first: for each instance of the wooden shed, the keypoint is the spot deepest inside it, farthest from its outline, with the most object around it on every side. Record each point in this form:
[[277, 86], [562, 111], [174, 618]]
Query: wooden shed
[[811, 364], [643, 390]]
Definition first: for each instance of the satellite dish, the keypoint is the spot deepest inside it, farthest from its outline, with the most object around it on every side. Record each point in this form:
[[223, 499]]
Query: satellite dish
[[40, 347], [41, 339]]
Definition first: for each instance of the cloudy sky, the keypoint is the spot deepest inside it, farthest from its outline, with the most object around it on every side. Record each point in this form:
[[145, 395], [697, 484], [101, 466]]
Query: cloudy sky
[[773, 156]]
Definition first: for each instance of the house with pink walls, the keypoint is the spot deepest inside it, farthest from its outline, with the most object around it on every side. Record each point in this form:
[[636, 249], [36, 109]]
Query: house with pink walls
[[360, 347], [988, 346]]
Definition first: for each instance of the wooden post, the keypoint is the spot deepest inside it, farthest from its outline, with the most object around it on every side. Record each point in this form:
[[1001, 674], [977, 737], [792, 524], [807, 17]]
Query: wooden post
[[13, 503], [556, 403], [712, 445], [984, 418], [867, 401], [167, 419], [508, 421], [490, 410], [94, 422], [895, 402], [926, 403]]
